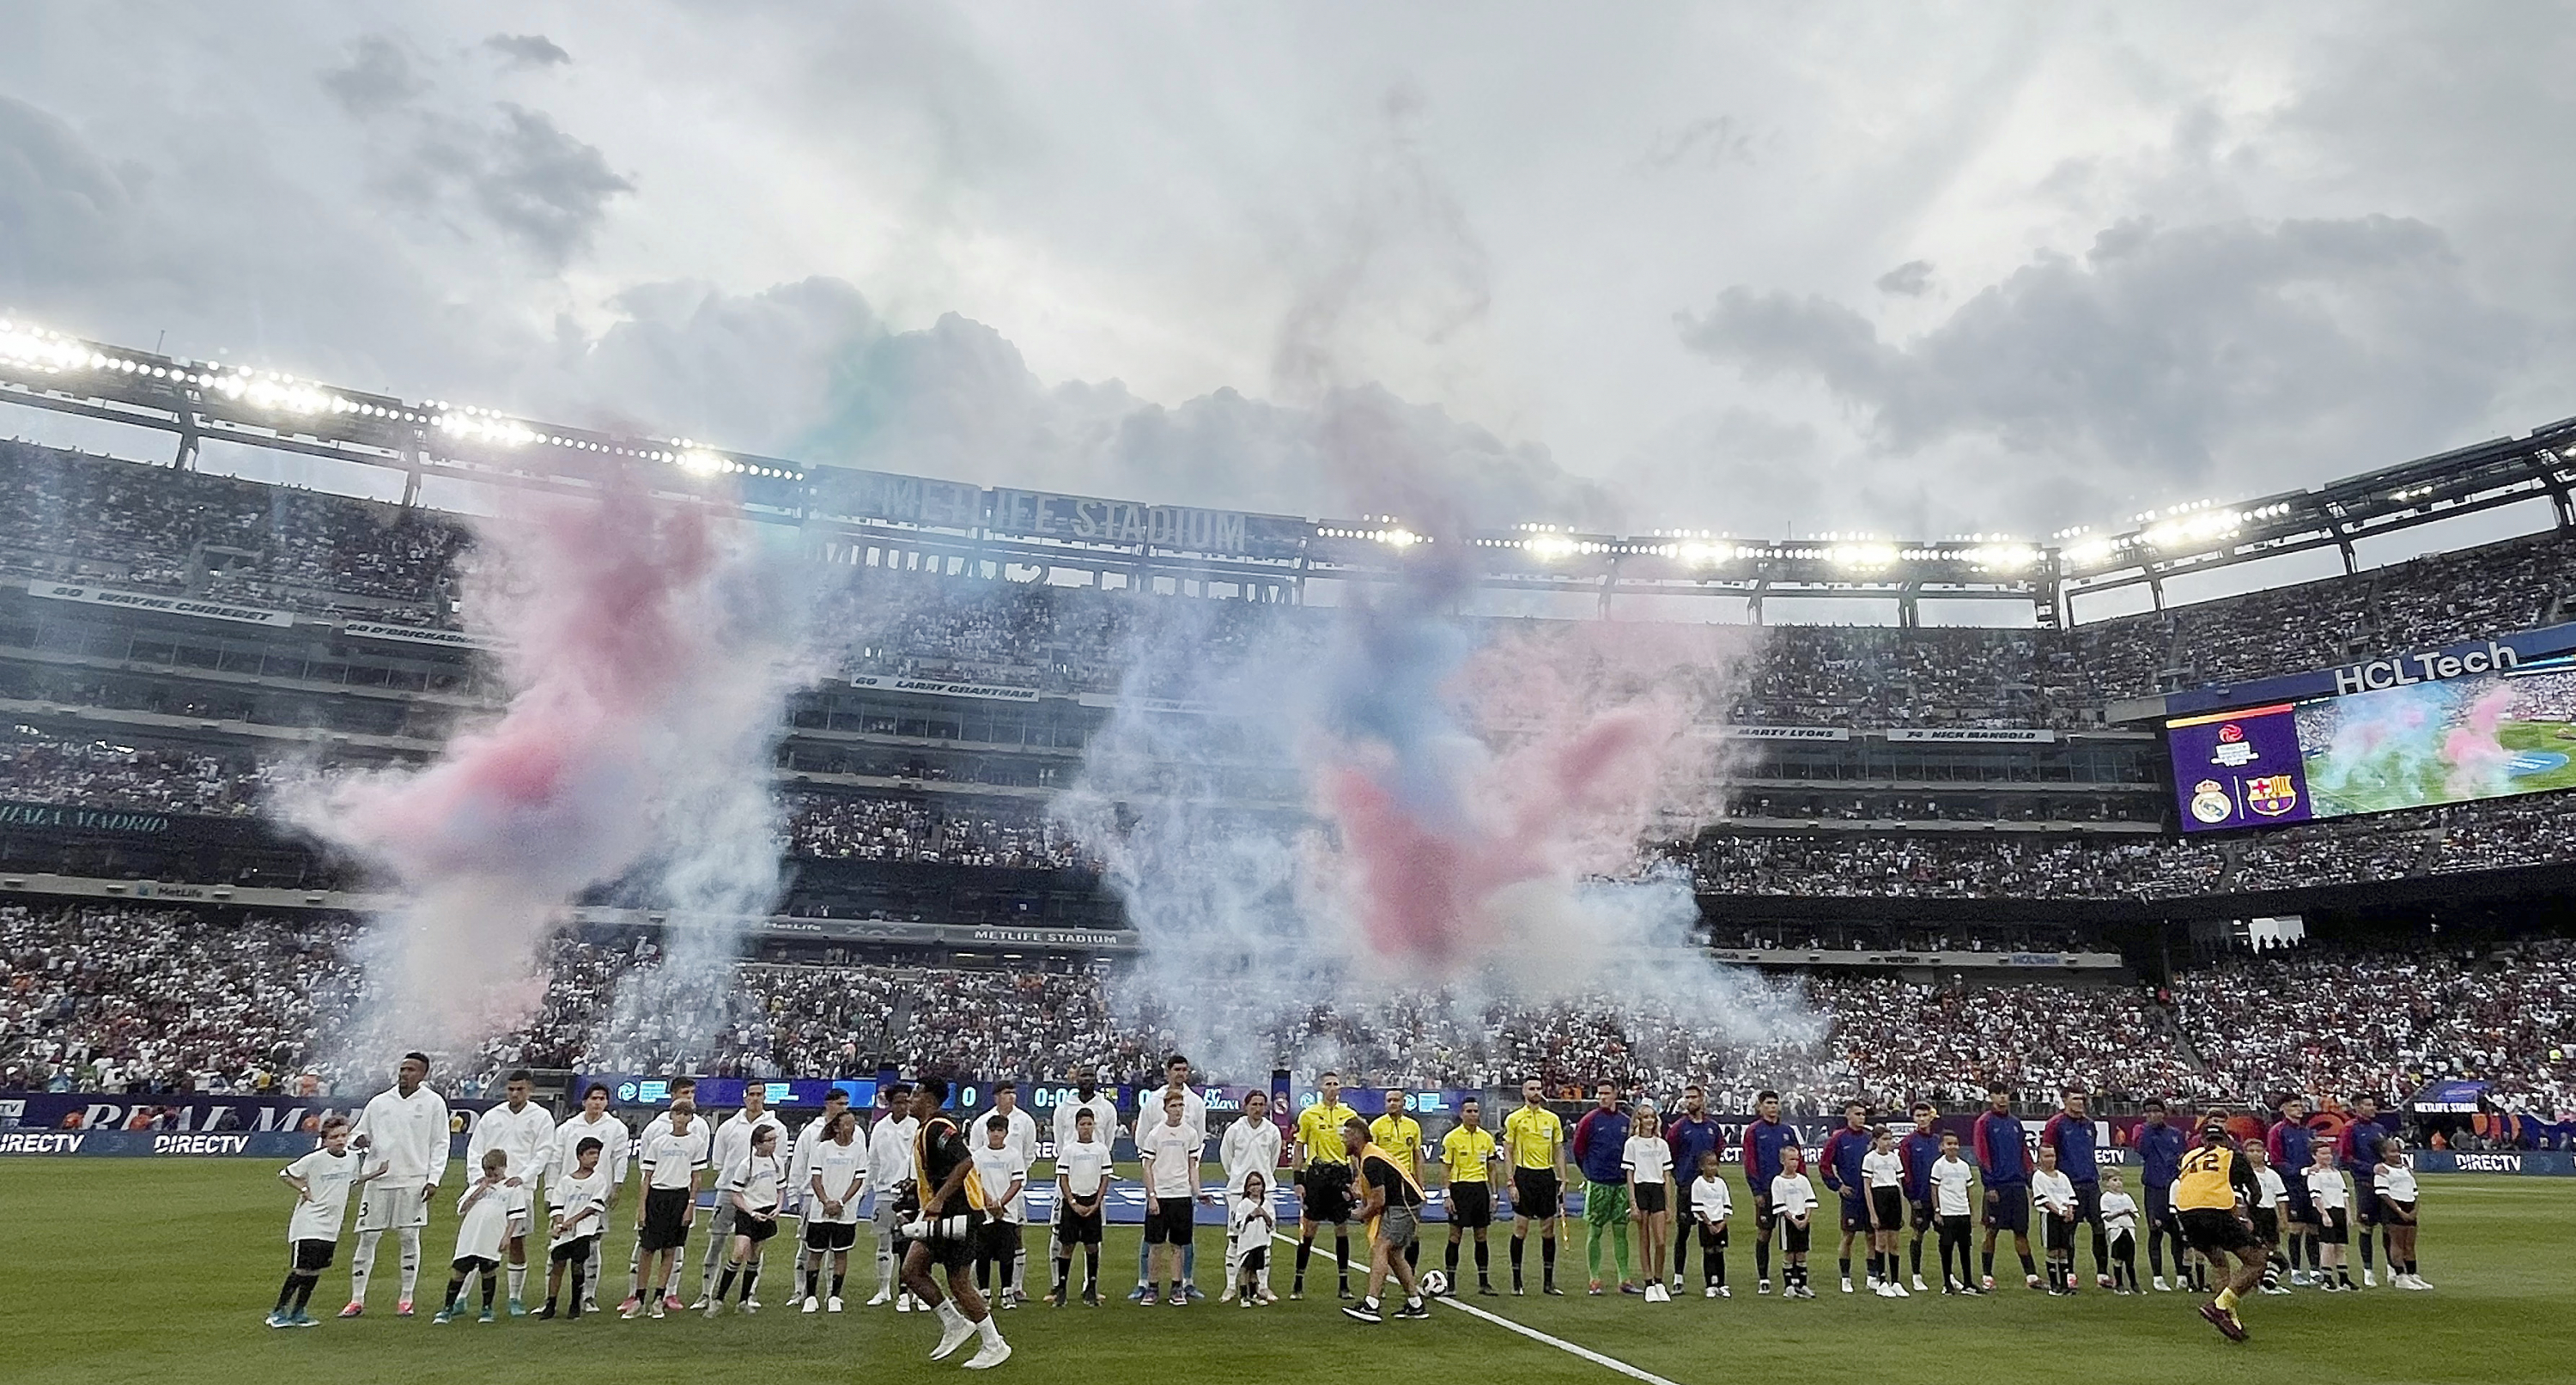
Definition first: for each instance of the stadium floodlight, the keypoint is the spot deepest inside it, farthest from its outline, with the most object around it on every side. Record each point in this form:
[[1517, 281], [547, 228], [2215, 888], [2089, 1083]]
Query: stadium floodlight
[[2001, 557], [1399, 538], [1862, 555], [701, 463], [1547, 548], [2195, 529]]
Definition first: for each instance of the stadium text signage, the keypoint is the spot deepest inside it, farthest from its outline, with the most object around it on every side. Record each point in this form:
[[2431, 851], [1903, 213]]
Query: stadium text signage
[[412, 634], [1084, 520], [901, 499], [1786, 733], [168, 605], [2424, 668], [991, 692], [1970, 733], [86, 819]]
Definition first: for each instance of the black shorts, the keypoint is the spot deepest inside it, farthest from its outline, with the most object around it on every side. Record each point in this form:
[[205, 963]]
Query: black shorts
[[1078, 1229], [1712, 1237], [1855, 1209], [1536, 1194], [2056, 1233], [1000, 1241], [2334, 1227], [1170, 1221], [313, 1257], [2088, 1202], [1648, 1197], [2267, 1225], [1328, 1192], [1889, 1204], [2299, 1207], [1763, 1217], [2210, 1231], [574, 1251], [2365, 1201], [1471, 1205], [1923, 1218], [830, 1235], [666, 1219], [957, 1253], [2403, 1212], [1254, 1261], [1793, 1237], [473, 1264], [2008, 1208], [758, 1228]]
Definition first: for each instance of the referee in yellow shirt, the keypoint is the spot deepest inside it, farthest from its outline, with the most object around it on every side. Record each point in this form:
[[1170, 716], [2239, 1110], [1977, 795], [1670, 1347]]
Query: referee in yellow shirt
[[1467, 1158], [1322, 1164], [1399, 1137], [1534, 1141]]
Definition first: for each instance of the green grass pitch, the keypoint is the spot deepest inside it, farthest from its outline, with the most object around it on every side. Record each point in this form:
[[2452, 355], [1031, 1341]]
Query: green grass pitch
[[145, 1270]]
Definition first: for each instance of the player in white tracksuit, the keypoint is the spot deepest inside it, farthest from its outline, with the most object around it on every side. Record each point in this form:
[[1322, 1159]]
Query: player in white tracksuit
[[405, 1130], [1250, 1146], [524, 1131], [889, 1170], [1103, 1107]]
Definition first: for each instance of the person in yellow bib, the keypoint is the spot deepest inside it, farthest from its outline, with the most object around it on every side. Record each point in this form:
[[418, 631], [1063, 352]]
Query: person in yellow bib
[[2212, 1185], [1534, 1144], [1321, 1161], [1468, 1156], [1400, 1136], [1392, 1210]]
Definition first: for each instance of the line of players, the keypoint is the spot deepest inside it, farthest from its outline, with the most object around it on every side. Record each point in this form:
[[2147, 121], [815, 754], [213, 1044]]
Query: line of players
[[1883, 1183]]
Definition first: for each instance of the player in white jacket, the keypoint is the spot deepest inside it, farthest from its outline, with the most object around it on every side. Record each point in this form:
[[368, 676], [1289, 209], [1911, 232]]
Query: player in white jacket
[[732, 1152], [405, 1130], [889, 1171], [524, 1131], [1250, 1146]]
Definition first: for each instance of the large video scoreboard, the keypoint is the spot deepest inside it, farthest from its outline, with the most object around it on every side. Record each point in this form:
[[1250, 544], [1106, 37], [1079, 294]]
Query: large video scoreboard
[[2447, 733]]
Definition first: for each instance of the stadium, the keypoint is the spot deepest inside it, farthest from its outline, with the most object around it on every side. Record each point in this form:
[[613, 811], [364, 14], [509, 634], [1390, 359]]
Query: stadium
[[583, 766]]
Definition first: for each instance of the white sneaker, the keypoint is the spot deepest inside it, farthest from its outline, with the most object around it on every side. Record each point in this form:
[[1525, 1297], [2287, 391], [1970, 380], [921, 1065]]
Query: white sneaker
[[881, 1300], [1847, 1288], [1896, 1290], [991, 1354], [1724, 1292], [1227, 1296], [1677, 1283], [751, 1305], [713, 1309], [832, 1304], [903, 1303], [1920, 1287], [2161, 1286], [2370, 1279], [813, 1305], [1710, 1292], [955, 1335]]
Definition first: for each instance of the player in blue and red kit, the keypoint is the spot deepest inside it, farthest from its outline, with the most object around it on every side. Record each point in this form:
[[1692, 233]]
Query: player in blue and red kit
[[2357, 1149], [2160, 1148], [1844, 1149], [2291, 1147], [2002, 1151], [2070, 1133], [1691, 1134], [1763, 1141], [1920, 1150]]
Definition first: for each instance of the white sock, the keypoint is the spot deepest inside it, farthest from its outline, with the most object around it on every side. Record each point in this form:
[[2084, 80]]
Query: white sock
[[410, 1260], [635, 1270], [518, 1282], [1020, 1271], [990, 1331], [590, 1276], [950, 1313], [362, 1265]]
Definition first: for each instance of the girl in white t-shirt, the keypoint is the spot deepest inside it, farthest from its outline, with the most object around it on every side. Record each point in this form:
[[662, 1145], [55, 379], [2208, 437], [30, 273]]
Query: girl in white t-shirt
[[2394, 1182], [1649, 1165], [754, 1188], [1249, 1224], [1711, 1205]]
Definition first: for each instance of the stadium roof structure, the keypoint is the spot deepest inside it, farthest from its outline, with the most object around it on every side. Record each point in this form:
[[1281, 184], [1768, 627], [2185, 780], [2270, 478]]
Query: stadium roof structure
[[925, 521]]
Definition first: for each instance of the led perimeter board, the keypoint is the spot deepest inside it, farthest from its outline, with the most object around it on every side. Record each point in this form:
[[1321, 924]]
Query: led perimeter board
[[2488, 735]]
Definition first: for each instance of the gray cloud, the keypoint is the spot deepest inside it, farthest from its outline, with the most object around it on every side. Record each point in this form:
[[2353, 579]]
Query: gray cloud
[[377, 78], [63, 210], [1911, 279], [2165, 350], [527, 50], [1709, 142]]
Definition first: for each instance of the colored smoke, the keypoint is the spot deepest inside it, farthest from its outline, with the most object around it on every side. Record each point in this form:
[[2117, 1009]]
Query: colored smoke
[[2481, 767], [646, 652]]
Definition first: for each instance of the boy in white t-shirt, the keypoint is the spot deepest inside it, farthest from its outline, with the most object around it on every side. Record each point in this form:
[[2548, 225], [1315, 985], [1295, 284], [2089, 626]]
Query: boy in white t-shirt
[[485, 1218], [1952, 1178], [1711, 1205], [1002, 1167], [2120, 1221], [1081, 1186], [1793, 1206], [2054, 1192], [578, 1202], [1648, 1162], [1882, 1176], [1249, 1225], [322, 1181]]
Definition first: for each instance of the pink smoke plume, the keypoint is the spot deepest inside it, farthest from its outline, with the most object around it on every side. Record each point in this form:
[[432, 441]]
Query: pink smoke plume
[[1578, 741], [2478, 760], [614, 630]]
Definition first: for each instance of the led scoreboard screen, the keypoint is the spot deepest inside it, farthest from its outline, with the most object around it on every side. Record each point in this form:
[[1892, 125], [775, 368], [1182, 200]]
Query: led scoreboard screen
[[2409, 745]]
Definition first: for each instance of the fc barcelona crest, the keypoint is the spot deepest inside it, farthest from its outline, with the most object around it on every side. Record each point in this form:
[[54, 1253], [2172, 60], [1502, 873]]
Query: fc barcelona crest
[[2271, 795]]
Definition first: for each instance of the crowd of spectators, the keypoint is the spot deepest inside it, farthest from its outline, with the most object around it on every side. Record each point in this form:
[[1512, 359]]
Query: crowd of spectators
[[65, 514], [871, 828], [103, 774], [123, 997]]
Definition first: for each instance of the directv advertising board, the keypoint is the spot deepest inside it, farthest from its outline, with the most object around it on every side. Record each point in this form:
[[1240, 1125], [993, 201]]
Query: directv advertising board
[[2417, 742]]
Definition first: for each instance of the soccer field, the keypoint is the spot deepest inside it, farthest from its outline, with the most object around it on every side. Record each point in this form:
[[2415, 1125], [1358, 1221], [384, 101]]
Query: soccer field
[[139, 1270]]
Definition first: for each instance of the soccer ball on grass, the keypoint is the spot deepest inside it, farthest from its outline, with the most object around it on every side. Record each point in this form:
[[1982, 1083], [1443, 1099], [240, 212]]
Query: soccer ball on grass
[[1435, 1283]]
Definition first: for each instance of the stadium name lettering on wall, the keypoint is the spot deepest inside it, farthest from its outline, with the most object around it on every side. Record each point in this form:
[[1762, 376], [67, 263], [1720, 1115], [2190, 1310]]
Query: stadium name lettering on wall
[[92, 819], [2423, 668], [1084, 520]]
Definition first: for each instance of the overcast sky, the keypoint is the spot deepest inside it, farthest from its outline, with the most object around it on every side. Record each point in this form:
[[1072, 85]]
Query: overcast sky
[[1915, 271]]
